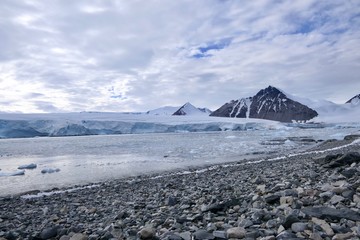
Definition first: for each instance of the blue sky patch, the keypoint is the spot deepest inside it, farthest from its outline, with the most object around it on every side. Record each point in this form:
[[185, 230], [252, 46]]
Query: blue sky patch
[[215, 45]]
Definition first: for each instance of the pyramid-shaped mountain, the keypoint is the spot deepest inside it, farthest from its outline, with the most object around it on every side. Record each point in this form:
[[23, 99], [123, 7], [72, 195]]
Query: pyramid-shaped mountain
[[269, 103], [189, 109]]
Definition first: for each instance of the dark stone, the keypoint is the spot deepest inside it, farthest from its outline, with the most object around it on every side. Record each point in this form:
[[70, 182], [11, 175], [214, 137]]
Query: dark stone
[[289, 220], [171, 201], [219, 207], [342, 160], [349, 173], [49, 233], [272, 199], [331, 213]]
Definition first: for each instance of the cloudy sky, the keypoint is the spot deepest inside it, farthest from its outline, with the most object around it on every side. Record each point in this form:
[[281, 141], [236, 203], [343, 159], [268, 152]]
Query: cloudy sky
[[136, 55]]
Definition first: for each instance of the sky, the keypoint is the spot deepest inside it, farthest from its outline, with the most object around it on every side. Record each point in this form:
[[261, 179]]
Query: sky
[[135, 55]]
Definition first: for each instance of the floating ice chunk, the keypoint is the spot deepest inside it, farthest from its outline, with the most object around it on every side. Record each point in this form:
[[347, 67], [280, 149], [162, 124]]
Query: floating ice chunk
[[50, 170], [28, 166], [15, 173]]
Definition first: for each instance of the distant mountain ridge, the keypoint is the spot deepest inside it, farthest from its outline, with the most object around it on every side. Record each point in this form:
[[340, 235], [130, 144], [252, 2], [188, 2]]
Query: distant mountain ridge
[[269, 103], [187, 109]]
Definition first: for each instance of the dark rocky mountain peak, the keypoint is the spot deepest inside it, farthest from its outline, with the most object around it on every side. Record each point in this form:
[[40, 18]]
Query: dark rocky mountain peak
[[269, 103]]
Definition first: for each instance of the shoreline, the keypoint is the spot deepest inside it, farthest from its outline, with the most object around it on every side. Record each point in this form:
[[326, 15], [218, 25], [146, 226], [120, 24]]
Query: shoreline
[[252, 199]]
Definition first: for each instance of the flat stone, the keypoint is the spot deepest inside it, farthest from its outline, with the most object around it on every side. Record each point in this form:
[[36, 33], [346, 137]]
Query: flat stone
[[324, 225], [79, 236], [343, 236], [202, 235], [245, 223], [336, 199], [298, 227], [236, 232], [332, 213], [219, 234]]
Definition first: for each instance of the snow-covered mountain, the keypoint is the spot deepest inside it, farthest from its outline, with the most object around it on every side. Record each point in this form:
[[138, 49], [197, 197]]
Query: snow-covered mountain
[[269, 103], [189, 109], [355, 101], [186, 109], [163, 111]]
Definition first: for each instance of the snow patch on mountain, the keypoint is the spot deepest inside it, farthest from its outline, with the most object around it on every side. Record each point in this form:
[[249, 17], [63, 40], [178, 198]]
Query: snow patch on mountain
[[355, 101], [163, 111]]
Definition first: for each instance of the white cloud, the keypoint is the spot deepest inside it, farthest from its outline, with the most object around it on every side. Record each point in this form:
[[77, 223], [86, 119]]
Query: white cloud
[[66, 55]]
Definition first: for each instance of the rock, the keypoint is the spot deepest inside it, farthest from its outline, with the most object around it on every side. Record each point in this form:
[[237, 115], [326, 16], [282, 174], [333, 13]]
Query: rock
[[202, 235], [289, 220], [245, 223], [219, 234], [185, 235], [79, 236], [343, 236], [146, 233], [49, 233], [349, 173], [332, 213], [342, 160], [286, 200], [261, 188], [236, 232], [336, 199], [171, 201], [298, 227], [324, 225], [286, 235], [272, 199]]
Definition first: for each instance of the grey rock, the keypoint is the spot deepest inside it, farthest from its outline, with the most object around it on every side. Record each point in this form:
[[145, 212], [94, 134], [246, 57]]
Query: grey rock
[[298, 227], [219, 234], [236, 232], [245, 223], [146, 233], [332, 213], [202, 235], [78, 236], [286, 235]]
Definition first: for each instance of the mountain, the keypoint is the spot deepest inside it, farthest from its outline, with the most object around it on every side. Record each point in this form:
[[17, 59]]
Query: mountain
[[186, 109], [189, 109], [355, 101], [163, 111], [269, 103]]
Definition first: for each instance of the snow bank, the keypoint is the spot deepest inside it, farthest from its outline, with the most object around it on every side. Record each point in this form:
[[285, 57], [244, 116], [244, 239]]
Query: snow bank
[[77, 124]]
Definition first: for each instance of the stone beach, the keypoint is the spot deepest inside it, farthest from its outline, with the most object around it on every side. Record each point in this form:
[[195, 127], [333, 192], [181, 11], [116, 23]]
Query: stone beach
[[312, 195]]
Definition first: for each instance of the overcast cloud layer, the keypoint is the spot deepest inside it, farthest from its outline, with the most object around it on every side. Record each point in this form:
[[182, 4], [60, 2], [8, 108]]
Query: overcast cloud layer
[[130, 55]]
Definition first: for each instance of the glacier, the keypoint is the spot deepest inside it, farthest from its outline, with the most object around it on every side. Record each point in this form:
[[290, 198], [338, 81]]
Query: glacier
[[88, 123]]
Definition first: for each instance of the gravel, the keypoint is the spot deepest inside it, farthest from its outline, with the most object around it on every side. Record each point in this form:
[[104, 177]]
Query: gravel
[[301, 196]]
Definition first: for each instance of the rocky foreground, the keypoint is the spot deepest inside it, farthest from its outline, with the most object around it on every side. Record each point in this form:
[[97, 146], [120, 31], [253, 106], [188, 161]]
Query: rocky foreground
[[313, 195]]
